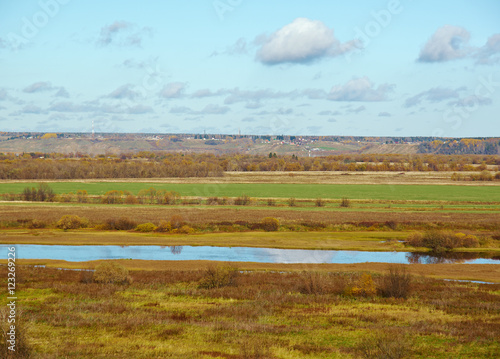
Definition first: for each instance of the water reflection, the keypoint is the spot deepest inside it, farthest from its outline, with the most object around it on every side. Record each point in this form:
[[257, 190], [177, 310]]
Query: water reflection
[[237, 254], [175, 249], [449, 257]]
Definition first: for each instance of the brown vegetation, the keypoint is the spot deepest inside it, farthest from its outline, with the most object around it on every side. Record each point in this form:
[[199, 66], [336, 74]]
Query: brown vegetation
[[116, 216], [257, 315], [157, 165], [443, 240]]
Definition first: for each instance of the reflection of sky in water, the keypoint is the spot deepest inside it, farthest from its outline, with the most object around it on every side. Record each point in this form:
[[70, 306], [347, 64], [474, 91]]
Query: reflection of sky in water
[[234, 254]]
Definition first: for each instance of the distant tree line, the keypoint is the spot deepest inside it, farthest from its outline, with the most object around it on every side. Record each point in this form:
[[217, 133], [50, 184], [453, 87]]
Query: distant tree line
[[157, 165], [462, 147]]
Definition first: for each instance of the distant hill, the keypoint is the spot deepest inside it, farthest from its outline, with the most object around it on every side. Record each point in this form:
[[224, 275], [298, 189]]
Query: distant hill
[[311, 146]]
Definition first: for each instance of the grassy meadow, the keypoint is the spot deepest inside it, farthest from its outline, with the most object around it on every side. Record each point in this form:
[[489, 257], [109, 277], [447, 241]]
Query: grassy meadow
[[175, 314], [285, 190], [188, 309]]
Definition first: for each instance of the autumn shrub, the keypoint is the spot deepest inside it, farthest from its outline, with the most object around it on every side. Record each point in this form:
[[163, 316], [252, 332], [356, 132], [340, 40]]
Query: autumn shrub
[[72, 222], [112, 197], [185, 229], [392, 225], [345, 202], [164, 227], [319, 202], [111, 272], [271, 202], [177, 221], [497, 176], [442, 240], [37, 224], [170, 197], [120, 224], [364, 287], [292, 202], [66, 197], [145, 227], [270, 224], [220, 276], [483, 176], [320, 283], [397, 283], [242, 200], [82, 196], [131, 199], [211, 201], [44, 193]]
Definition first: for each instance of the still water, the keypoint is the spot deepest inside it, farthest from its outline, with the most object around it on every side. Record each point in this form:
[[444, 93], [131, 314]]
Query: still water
[[232, 254]]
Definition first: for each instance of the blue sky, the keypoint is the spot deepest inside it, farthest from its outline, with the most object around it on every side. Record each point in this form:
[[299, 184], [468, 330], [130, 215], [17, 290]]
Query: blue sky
[[372, 68]]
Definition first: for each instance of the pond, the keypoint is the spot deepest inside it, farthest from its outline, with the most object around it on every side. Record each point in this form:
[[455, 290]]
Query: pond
[[233, 254]]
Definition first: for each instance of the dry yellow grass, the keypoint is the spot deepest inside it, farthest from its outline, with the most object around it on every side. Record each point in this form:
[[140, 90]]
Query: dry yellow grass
[[198, 215], [304, 177], [477, 272]]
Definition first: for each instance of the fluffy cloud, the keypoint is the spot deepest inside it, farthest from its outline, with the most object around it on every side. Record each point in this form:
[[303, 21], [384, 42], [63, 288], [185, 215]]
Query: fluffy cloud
[[301, 41], [447, 43], [173, 90], [489, 54], [360, 89], [436, 94]]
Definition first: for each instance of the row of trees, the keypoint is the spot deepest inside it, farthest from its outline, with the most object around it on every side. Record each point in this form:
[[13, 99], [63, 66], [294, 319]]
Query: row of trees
[[489, 146], [152, 165]]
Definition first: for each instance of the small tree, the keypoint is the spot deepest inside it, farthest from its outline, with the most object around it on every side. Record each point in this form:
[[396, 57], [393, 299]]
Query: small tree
[[72, 222], [111, 272], [82, 196], [270, 224], [345, 203]]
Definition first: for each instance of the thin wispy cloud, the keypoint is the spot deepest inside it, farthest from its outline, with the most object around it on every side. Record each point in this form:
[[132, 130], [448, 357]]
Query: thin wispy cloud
[[360, 89]]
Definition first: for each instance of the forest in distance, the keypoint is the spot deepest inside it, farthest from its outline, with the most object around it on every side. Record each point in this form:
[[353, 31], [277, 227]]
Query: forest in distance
[[146, 164]]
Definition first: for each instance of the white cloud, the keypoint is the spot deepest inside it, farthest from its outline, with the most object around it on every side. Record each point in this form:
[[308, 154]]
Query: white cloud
[[173, 90], [301, 41], [448, 43], [360, 89], [489, 54]]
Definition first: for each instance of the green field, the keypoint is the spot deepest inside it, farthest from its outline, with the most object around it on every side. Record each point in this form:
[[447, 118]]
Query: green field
[[264, 190]]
